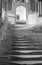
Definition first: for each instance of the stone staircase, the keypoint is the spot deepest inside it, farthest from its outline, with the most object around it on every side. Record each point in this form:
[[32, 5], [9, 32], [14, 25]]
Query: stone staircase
[[24, 52], [23, 49]]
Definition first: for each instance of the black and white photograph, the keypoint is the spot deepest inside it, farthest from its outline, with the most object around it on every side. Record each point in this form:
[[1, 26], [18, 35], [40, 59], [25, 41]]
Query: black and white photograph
[[20, 32]]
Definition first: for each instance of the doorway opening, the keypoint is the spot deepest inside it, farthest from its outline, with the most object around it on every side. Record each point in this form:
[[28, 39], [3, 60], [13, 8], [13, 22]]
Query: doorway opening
[[21, 14]]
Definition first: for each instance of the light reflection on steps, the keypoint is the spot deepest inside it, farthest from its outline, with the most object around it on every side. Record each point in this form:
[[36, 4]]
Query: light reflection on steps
[[25, 47], [26, 51], [26, 62], [26, 56]]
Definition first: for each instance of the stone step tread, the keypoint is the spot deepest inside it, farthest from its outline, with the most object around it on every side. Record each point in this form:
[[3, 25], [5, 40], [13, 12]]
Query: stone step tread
[[27, 62]]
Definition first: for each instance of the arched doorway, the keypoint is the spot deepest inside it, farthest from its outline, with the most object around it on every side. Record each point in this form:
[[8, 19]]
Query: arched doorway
[[21, 14]]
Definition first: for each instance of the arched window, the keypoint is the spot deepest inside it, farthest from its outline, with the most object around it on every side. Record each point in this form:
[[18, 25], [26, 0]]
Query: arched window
[[5, 5], [0, 8], [40, 7], [33, 5], [9, 4]]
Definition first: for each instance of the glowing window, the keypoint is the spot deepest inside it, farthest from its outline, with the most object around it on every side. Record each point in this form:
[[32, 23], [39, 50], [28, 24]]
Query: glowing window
[[21, 12]]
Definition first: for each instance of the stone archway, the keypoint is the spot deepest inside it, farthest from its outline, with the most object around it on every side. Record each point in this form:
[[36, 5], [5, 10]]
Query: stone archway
[[21, 13]]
